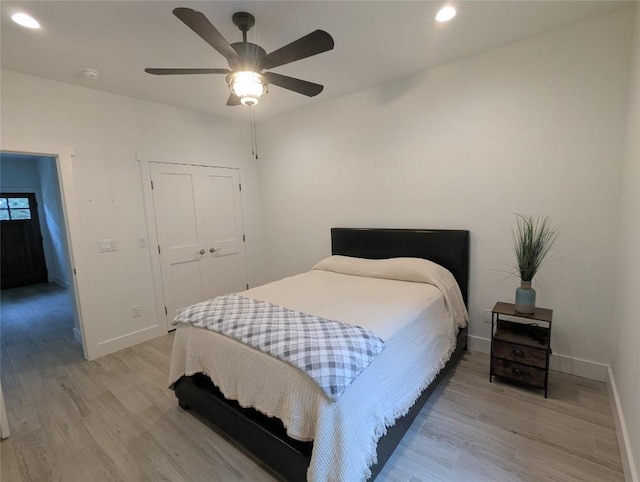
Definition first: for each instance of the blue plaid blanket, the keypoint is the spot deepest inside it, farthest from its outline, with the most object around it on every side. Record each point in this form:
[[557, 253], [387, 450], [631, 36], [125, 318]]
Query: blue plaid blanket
[[332, 353]]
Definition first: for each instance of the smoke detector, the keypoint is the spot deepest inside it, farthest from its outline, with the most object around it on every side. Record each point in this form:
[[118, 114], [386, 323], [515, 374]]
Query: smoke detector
[[91, 74]]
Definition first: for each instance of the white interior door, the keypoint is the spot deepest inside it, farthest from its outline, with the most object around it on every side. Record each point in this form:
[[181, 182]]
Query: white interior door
[[180, 224], [199, 223], [224, 228]]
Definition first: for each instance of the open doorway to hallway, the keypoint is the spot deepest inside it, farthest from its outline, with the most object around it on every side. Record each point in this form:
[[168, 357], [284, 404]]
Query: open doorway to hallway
[[35, 179]]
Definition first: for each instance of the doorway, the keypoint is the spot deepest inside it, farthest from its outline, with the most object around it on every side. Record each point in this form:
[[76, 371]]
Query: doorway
[[35, 253]]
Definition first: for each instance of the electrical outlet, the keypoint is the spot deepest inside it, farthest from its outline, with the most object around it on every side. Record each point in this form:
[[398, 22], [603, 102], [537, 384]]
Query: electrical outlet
[[487, 316], [136, 311]]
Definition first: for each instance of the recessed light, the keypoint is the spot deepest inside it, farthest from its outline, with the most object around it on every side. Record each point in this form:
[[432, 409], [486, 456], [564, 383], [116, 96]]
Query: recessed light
[[445, 14], [25, 20]]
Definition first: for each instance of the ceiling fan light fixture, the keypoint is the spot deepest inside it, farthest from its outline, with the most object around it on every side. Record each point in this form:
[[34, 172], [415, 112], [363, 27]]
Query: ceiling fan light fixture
[[248, 101], [249, 86]]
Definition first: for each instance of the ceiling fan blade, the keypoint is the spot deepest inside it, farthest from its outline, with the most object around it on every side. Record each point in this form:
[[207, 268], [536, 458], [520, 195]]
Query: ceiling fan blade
[[186, 71], [197, 22], [314, 43], [233, 100], [300, 86]]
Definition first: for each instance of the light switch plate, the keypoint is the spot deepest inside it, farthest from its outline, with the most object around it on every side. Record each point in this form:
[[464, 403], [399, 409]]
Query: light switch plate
[[105, 245], [142, 242]]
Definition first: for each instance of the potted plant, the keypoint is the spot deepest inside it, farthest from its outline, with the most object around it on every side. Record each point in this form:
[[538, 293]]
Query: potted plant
[[533, 238]]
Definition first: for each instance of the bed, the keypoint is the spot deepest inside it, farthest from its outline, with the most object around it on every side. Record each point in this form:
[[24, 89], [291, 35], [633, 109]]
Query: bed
[[288, 448]]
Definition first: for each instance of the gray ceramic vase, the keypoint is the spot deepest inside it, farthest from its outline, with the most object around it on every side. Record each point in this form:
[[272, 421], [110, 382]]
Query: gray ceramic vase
[[525, 298]]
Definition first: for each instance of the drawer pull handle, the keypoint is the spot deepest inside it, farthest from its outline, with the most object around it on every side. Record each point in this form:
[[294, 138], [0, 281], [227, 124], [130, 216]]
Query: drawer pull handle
[[517, 352], [516, 371]]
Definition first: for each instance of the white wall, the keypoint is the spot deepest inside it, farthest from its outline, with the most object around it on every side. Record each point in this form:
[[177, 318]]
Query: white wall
[[626, 355], [533, 127], [19, 173], [107, 134], [58, 261]]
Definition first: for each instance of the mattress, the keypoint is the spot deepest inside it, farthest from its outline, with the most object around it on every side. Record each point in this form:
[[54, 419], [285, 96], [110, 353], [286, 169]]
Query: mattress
[[415, 319]]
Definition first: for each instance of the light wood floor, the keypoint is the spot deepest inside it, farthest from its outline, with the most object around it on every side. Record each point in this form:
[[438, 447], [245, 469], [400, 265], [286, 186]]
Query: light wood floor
[[115, 418]]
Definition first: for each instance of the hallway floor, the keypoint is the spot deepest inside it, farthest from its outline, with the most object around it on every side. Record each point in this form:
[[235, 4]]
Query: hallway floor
[[35, 317]]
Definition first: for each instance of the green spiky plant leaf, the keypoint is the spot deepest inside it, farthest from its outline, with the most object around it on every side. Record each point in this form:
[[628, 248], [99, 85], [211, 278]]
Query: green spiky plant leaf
[[533, 238]]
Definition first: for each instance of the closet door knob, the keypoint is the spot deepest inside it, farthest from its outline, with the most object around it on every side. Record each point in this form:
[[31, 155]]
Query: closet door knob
[[202, 251], [212, 250]]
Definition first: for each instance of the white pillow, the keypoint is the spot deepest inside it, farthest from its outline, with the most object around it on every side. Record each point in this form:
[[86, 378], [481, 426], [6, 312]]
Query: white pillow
[[417, 270]]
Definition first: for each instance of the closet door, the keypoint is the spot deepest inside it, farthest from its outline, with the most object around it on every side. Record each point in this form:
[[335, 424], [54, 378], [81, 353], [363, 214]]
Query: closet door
[[199, 224], [180, 223], [224, 230]]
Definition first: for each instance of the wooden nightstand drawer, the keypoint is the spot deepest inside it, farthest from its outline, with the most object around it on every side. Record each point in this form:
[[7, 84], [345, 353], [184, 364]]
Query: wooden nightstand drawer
[[519, 372], [520, 354]]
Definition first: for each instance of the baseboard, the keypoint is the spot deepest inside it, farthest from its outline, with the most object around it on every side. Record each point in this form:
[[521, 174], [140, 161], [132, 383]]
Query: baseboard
[[628, 464], [77, 335], [476, 343], [60, 282], [561, 363], [130, 339], [579, 367]]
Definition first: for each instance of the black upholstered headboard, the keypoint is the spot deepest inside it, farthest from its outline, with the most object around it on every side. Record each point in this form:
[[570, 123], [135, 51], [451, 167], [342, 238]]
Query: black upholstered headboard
[[448, 248]]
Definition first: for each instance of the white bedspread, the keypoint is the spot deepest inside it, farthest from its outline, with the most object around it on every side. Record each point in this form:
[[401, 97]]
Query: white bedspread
[[413, 319]]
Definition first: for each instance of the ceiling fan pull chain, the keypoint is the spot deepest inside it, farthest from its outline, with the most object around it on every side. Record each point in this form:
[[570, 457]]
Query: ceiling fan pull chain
[[255, 135], [252, 128], [253, 152]]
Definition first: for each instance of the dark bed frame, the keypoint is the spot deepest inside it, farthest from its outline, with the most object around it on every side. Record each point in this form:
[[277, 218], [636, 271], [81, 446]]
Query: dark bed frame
[[265, 437]]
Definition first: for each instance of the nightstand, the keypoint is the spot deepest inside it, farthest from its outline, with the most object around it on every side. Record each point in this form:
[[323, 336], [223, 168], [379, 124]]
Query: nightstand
[[520, 347]]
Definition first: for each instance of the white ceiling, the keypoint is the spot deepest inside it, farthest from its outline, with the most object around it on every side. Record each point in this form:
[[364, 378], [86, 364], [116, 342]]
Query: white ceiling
[[375, 42]]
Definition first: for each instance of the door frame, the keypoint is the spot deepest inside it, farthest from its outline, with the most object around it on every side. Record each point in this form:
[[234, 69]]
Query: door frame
[[152, 233], [79, 275]]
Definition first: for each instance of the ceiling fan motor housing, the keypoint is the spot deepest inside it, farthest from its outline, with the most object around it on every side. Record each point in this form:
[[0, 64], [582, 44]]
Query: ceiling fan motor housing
[[243, 20]]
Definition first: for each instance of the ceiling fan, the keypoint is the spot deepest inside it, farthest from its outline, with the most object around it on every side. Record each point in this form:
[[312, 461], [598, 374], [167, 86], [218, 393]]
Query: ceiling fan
[[245, 76]]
